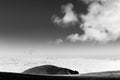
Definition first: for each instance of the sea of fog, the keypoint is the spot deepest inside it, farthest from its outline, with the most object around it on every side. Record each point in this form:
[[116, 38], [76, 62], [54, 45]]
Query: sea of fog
[[82, 65]]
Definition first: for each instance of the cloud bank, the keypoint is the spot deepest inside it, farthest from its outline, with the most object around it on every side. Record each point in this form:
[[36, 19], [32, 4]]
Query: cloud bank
[[101, 23]]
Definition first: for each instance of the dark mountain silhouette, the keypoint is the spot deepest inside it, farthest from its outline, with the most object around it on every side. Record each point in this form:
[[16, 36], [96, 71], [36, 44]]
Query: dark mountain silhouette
[[20, 76], [49, 69], [94, 76]]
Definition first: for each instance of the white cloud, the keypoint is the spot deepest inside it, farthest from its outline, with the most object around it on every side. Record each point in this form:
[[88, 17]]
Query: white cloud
[[101, 23], [76, 37], [59, 41], [56, 42], [69, 18]]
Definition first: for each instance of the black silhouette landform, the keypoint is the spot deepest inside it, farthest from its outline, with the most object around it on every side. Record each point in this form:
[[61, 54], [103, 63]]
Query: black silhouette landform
[[89, 76], [109, 75], [50, 69]]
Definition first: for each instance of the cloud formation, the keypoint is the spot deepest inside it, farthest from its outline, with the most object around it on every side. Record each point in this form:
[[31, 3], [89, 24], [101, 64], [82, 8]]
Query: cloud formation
[[69, 17], [76, 37], [59, 41], [101, 23]]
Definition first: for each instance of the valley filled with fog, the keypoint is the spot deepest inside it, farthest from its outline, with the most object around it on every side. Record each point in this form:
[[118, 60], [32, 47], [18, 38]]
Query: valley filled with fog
[[82, 65]]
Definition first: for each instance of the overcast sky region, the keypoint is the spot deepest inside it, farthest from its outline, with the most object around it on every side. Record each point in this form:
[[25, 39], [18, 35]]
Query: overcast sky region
[[60, 28]]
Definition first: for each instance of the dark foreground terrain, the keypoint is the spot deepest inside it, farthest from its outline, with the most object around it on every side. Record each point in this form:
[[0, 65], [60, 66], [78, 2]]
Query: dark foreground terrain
[[103, 74], [17, 76]]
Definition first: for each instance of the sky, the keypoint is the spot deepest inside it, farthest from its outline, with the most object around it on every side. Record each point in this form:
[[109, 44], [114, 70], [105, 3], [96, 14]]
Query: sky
[[51, 28], [31, 20]]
